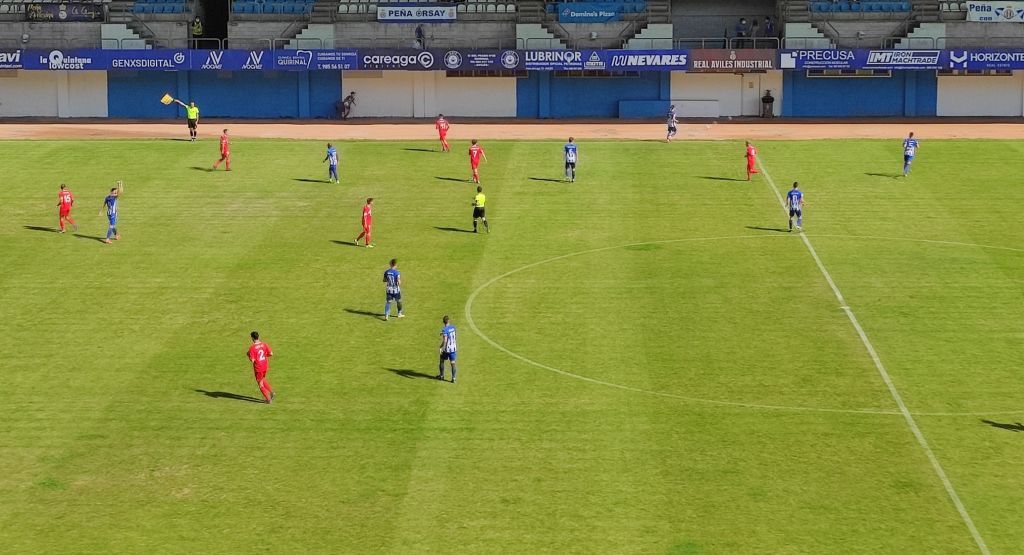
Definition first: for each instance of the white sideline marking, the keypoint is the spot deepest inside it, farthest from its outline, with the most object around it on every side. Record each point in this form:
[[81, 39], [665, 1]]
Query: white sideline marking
[[911, 423]]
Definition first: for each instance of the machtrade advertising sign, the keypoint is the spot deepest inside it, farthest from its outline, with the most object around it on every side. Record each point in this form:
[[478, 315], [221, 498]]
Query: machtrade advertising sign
[[732, 61], [840, 58], [404, 13], [995, 12], [605, 60]]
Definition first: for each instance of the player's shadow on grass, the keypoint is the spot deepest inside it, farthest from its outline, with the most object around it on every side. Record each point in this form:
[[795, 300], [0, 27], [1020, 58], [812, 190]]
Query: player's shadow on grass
[[719, 178], [346, 243], [92, 237], [39, 228], [889, 175], [453, 229], [202, 169], [1016, 427], [778, 229], [410, 374], [460, 180], [226, 395], [363, 312], [547, 179], [311, 180], [421, 149]]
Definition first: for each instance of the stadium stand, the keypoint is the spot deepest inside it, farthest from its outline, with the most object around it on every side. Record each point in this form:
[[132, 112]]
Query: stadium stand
[[856, 6], [272, 6], [160, 6], [713, 23]]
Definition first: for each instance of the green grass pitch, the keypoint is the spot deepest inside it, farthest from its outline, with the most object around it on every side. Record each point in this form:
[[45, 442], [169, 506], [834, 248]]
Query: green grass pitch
[[685, 382]]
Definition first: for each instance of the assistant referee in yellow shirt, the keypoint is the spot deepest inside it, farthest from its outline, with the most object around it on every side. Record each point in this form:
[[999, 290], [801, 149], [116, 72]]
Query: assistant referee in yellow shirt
[[478, 209], [192, 115]]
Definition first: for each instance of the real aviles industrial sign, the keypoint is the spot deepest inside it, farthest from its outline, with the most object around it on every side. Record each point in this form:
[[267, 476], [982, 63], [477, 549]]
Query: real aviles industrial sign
[[463, 60]]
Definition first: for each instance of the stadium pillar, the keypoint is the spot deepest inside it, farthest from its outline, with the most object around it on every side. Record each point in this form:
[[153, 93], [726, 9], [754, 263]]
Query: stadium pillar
[[665, 86], [544, 95], [909, 93], [303, 94], [788, 77]]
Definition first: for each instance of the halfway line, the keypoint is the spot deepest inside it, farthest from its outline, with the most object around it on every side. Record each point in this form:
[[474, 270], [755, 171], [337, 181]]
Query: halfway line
[[911, 423]]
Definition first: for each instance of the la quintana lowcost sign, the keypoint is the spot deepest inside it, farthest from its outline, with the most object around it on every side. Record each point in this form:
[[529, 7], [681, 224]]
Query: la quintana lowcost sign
[[404, 13]]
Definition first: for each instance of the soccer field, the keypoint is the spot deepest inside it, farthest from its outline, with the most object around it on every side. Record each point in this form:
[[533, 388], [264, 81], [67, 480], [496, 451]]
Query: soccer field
[[648, 362]]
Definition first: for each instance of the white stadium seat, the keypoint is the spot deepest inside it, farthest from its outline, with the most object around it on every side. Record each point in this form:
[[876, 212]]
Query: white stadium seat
[[511, 8]]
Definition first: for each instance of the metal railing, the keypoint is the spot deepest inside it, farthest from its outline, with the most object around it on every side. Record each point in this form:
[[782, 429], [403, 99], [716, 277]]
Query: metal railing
[[730, 43]]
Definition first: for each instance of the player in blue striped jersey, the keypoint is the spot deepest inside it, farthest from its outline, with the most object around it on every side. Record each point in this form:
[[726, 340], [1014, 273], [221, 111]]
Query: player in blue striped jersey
[[110, 206], [393, 289], [795, 204], [671, 121], [909, 151], [447, 348], [571, 157], [332, 157]]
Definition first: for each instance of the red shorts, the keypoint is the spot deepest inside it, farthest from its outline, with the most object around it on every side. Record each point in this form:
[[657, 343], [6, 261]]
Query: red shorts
[[260, 374], [64, 212], [225, 154], [442, 134], [474, 165]]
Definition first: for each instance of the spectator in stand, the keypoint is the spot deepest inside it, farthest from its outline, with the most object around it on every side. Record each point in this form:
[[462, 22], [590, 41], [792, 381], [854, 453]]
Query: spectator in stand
[[769, 27], [197, 28], [755, 31], [421, 43], [740, 30]]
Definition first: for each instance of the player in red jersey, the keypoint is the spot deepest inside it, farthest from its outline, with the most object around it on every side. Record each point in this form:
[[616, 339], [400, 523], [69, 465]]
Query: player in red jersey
[[260, 353], [225, 152], [475, 153], [442, 127], [64, 202], [367, 222], [751, 160]]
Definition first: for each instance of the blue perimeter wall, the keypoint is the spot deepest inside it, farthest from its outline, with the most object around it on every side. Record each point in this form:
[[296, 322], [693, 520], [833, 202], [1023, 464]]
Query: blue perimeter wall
[[905, 93], [239, 94], [542, 95]]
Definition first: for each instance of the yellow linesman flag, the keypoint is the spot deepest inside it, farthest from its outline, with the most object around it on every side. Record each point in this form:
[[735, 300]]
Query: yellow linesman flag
[[166, 99]]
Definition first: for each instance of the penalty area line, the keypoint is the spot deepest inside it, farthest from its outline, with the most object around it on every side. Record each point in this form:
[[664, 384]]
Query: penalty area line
[[907, 415]]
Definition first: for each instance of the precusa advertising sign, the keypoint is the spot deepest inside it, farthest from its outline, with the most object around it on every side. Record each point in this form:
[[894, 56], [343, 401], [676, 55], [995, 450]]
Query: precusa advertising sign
[[840, 58], [995, 12]]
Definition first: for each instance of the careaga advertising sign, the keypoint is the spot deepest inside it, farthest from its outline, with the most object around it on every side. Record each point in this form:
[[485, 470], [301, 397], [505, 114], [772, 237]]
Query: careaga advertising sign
[[732, 61]]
